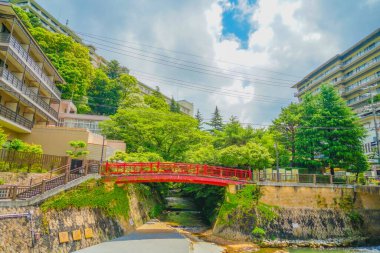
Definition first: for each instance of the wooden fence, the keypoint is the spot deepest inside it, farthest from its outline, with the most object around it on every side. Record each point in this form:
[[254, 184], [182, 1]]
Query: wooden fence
[[13, 160]]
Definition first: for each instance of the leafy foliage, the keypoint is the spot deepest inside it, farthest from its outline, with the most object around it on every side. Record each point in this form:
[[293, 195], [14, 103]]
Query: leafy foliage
[[247, 156], [168, 134], [330, 134], [286, 125], [19, 145], [78, 149], [93, 194], [71, 59]]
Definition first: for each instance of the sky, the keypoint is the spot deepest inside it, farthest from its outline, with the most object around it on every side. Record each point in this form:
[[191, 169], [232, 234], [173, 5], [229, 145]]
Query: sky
[[240, 55]]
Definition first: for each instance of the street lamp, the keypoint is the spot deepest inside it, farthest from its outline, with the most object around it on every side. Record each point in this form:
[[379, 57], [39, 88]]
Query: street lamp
[[373, 109]]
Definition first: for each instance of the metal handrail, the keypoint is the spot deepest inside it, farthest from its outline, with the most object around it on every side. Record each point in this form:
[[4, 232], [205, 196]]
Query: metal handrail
[[26, 91], [16, 46], [9, 114]]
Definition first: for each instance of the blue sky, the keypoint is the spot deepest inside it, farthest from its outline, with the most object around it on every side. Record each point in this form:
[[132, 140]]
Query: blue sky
[[236, 22], [262, 46]]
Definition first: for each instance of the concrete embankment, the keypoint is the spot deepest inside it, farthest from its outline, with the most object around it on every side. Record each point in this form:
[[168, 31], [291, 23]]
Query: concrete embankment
[[310, 216], [69, 229]]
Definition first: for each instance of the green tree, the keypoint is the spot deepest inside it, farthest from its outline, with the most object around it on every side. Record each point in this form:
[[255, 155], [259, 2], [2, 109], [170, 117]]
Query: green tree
[[330, 134], [251, 155], [168, 134], [174, 106], [78, 149], [114, 70], [233, 133], [104, 94], [216, 122], [286, 125], [156, 102], [199, 118], [71, 59]]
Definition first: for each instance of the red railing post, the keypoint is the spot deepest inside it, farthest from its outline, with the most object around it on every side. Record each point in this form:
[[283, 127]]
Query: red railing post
[[106, 166], [151, 167], [205, 169]]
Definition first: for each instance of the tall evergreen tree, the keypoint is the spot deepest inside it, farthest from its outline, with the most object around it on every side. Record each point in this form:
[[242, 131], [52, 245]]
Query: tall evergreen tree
[[329, 134], [286, 125], [216, 122], [199, 118], [174, 106]]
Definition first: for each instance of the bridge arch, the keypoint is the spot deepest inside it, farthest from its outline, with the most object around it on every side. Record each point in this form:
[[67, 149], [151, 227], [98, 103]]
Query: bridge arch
[[151, 172]]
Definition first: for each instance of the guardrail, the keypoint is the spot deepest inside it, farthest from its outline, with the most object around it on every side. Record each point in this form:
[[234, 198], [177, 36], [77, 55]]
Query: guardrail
[[59, 177], [13, 116], [19, 85], [30, 63], [309, 178]]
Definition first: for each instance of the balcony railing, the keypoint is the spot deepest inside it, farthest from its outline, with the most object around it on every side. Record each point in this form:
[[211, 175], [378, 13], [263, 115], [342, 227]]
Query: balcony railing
[[6, 75], [16, 46], [13, 116], [344, 65]]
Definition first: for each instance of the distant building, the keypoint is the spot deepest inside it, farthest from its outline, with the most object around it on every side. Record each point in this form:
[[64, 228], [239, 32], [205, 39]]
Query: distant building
[[186, 107], [52, 24], [68, 117], [356, 74]]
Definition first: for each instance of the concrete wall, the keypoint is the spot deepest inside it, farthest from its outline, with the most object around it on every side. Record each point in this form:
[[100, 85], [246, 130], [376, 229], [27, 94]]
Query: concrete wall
[[317, 197], [336, 214], [15, 233], [55, 141]]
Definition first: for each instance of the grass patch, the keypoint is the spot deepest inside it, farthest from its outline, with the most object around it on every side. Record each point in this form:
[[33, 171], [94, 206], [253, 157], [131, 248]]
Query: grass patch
[[113, 200]]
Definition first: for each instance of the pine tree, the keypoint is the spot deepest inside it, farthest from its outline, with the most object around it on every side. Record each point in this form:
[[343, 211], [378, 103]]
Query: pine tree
[[199, 118], [286, 124], [174, 106], [216, 122], [329, 134]]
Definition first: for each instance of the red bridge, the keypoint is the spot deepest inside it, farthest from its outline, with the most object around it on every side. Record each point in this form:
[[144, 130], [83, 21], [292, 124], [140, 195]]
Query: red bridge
[[151, 172]]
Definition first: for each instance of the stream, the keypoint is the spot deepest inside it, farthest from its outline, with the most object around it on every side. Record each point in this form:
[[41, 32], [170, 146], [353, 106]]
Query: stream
[[181, 212]]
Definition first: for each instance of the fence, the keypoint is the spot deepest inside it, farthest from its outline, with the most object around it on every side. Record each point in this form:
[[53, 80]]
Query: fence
[[10, 160], [290, 177], [59, 176]]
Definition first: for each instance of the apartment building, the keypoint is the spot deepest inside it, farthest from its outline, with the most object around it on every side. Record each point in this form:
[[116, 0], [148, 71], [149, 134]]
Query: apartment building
[[185, 106], [356, 74], [52, 24], [28, 92]]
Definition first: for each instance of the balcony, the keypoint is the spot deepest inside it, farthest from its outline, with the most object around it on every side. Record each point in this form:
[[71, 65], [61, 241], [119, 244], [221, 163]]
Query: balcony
[[29, 62], [25, 90], [344, 65], [14, 117], [371, 80]]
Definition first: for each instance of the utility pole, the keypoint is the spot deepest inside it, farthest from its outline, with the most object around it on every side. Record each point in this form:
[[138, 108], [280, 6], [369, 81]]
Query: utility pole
[[375, 123]]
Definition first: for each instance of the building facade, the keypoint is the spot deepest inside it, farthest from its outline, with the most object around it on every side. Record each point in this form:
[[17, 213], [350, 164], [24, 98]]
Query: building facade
[[68, 117], [28, 92], [356, 74]]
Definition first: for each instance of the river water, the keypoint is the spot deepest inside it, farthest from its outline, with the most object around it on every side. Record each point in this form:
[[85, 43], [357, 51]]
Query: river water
[[181, 212]]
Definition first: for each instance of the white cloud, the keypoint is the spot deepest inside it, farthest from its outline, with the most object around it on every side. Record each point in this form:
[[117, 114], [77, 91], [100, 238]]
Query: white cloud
[[291, 37]]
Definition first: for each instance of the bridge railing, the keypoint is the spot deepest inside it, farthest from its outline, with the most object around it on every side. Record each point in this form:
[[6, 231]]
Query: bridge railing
[[175, 168]]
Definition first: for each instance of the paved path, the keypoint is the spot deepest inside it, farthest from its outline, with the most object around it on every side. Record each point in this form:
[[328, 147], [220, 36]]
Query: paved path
[[153, 237]]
